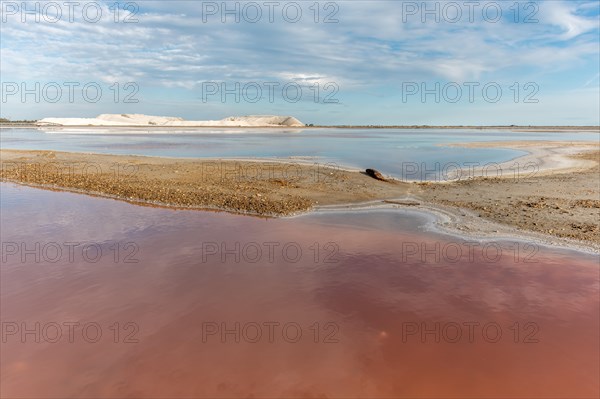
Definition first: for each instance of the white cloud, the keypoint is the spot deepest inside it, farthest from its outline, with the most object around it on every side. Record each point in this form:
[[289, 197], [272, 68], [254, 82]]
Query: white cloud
[[563, 15], [371, 47]]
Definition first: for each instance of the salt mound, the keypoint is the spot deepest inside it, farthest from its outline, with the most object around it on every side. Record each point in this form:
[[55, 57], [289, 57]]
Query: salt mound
[[265, 120], [147, 120], [138, 119]]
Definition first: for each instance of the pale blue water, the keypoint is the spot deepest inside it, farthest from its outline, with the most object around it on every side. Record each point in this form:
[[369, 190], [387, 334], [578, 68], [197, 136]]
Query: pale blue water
[[389, 150]]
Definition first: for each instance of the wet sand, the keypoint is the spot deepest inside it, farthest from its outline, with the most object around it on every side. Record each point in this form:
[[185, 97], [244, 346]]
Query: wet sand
[[543, 158], [560, 198]]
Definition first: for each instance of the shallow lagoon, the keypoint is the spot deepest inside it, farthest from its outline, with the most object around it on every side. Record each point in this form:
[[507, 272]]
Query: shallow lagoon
[[389, 150], [360, 304]]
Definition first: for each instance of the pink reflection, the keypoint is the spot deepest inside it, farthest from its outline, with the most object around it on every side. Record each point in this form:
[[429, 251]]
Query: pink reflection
[[376, 308]]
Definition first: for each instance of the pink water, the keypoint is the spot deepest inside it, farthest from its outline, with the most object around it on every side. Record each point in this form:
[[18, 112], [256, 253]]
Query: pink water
[[364, 292]]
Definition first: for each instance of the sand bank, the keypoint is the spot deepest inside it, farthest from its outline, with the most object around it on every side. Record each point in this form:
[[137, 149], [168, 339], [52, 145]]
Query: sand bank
[[543, 158], [267, 188], [557, 204]]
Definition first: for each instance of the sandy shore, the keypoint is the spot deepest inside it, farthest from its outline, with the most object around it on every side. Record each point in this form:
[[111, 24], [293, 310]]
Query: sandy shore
[[543, 158], [253, 187], [556, 203]]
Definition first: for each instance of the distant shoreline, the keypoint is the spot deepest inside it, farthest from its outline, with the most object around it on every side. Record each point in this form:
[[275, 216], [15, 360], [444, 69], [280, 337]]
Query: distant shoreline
[[399, 127]]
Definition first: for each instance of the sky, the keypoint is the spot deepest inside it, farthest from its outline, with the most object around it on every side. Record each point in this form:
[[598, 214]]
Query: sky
[[324, 62]]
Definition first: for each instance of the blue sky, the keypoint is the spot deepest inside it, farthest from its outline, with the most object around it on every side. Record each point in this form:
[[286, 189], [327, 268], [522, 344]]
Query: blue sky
[[371, 62]]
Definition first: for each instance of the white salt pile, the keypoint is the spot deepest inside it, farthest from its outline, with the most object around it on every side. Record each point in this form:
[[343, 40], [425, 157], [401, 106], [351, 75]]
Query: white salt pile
[[165, 121]]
